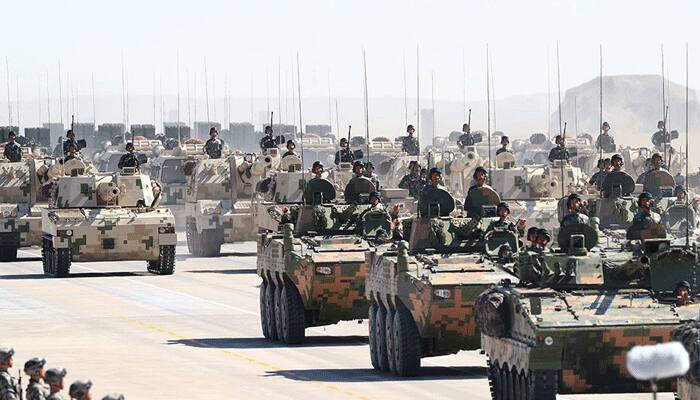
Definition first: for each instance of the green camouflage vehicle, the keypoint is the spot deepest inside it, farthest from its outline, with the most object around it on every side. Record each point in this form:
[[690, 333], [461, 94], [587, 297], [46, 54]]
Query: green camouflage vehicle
[[218, 202], [314, 271], [422, 293], [106, 217], [568, 326], [21, 202], [689, 384]]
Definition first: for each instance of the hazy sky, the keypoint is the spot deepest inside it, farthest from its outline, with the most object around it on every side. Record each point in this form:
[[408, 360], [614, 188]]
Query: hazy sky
[[247, 38]]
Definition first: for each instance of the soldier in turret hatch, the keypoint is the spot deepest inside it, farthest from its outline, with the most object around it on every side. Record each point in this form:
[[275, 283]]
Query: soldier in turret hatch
[[412, 180], [290, 149], [410, 144], [617, 162], [504, 145], [480, 176], [661, 137], [369, 173], [214, 145], [13, 151], [645, 202], [72, 153], [605, 140], [543, 238], [344, 155], [575, 205], [532, 237], [505, 222], [597, 178], [558, 152], [129, 159], [466, 138], [268, 141], [680, 193], [70, 139]]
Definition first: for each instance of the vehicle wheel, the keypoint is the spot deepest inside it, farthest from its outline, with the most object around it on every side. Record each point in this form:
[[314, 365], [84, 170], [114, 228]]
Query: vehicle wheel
[[390, 345], [45, 253], [372, 322], [292, 312], [62, 261], [194, 241], [165, 265], [188, 235], [210, 241], [270, 310], [380, 336], [522, 387], [278, 312], [407, 344], [495, 382], [543, 384], [8, 248], [506, 391], [263, 310]]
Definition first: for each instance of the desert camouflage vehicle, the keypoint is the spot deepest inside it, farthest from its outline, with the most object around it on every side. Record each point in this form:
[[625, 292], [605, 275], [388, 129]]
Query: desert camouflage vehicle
[[422, 292], [314, 270], [107, 160], [688, 334], [106, 217], [568, 326], [21, 202], [218, 201]]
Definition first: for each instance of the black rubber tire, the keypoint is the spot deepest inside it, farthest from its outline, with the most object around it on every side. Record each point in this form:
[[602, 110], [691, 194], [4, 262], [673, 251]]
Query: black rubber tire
[[278, 313], [45, 254], [165, 265], [495, 382], [407, 344], [380, 332], [270, 309], [8, 253], [210, 242], [371, 336], [505, 383], [390, 345], [190, 237], [522, 387], [544, 384], [62, 262], [263, 310], [292, 313]]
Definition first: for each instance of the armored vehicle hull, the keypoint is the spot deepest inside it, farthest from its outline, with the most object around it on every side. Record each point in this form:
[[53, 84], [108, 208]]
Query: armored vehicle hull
[[689, 384]]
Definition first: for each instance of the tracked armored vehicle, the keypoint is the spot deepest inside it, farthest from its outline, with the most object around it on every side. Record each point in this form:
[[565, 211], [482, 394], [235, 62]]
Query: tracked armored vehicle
[[422, 292], [314, 271], [21, 202], [577, 312], [106, 217], [108, 159]]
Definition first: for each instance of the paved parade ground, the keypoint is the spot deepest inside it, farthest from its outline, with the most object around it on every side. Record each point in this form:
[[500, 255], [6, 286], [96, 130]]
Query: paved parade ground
[[196, 335]]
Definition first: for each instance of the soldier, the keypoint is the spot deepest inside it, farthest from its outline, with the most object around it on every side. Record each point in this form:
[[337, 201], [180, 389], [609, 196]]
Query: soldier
[[290, 149], [412, 180], [647, 167], [69, 141], [268, 141], [532, 237], [410, 144], [480, 175], [13, 152], [114, 396], [645, 202], [543, 238], [504, 145], [575, 204], [344, 154], [505, 222], [9, 389], [657, 162], [680, 193], [369, 173], [434, 184], [80, 390], [351, 194], [617, 162], [58, 150], [36, 390], [214, 145], [558, 152], [597, 178], [660, 137], [54, 378], [317, 169], [466, 138], [129, 159], [71, 153], [605, 140]]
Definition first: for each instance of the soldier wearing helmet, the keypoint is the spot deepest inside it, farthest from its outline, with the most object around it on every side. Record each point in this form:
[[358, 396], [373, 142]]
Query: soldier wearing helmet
[[357, 184], [504, 222], [54, 378], [606, 141], [36, 390], [680, 193], [129, 159], [412, 180], [543, 238], [80, 390], [268, 141], [9, 389], [558, 152], [466, 138], [13, 151], [617, 162], [290, 149], [598, 177], [574, 203], [532, 237], [369, 173], [214, 145], [505, 141], [410, 144], [645, 202], [344, 154], [480, 176]]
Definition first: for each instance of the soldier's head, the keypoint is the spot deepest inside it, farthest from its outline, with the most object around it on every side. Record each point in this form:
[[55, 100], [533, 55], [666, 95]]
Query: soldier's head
[[290, 145], [317, 168], [503, 210], [423, 173], [410, 130], [343, 143], [11, 136], [435, 176], [54, 378], [573, 202], [480, 176], [34, 367], [6, 355], [606, 127], [130, 147], [375, 198], [543, 238], [617, 162], [70, 134], [645, 201], [465, 127], [679, 192], [358, 168], [80, 390], [505, 141], [414, 167], [601, 163], [114, 396], [213, 132], [660, 125], [657, 161], [607, 163], [532, 235], [369, 167], [268, 130], [559, 139], [682, 293], [72, 149]]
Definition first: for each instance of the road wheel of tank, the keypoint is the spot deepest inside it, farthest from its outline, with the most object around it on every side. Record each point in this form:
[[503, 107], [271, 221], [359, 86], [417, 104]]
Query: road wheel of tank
[[209, 243], [263, 310], [380, 336], [407, 344], [270, 311], [62, 260], [522, 388], [506, 389], [372, 336], [543, 385], [278, 312], [390, 344], [292, 312], [495, 382]]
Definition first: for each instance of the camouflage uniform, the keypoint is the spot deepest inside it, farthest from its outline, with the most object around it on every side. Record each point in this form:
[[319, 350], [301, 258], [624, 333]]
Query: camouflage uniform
[[289, 153], [597, 178], [659, 138], [642, 218], [413, 183], [344, 155], [56, 396], [607, 142], [128, 160], [465, 139], [214, 146], [67, 143], [9, 389], [503, 150], [574, 218], [410, 146], [13, 152], [37, 390], [268, 142], [557, 153]]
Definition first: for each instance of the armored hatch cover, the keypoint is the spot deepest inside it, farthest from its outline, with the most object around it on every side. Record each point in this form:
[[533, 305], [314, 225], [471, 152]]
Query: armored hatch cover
[[655, 180], [505, 159], [617, 179], [321, 186], [590, 236], [479, 197], [439, 196]]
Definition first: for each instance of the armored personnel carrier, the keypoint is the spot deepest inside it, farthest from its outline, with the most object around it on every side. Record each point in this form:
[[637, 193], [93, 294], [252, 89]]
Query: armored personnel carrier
[[21, 201], [106, 217], [314, 271], [577, 312], [422, 292], [218, 201]]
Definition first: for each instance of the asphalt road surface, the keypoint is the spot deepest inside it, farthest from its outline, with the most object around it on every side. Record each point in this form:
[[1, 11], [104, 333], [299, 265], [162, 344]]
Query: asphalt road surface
[[196, 335]]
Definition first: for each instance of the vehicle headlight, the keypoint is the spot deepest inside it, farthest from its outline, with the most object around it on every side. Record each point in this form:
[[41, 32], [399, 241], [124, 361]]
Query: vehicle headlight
[[548, 341], [443, 293], [69, 232], [324, 270], [13, 214]]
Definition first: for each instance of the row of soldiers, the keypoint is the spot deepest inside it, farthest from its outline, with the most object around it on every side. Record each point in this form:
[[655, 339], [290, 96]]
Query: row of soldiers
[[44, 384]]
